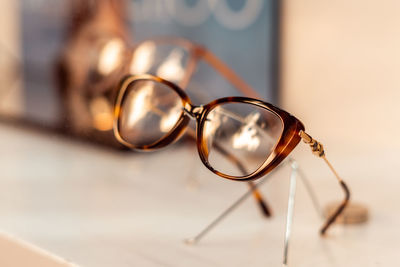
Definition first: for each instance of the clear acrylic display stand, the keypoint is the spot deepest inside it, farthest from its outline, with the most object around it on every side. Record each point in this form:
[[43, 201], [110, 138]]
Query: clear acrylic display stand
[[295, 172]]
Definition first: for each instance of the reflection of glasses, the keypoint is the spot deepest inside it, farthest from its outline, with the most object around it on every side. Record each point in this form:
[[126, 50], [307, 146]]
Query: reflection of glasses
[[172, 58], [151, 113], [176, 59]]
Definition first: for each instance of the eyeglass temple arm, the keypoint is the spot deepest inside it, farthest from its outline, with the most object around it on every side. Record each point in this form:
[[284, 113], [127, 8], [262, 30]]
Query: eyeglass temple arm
[[318, 150], [190, 68], [224, 70], [262, 203]]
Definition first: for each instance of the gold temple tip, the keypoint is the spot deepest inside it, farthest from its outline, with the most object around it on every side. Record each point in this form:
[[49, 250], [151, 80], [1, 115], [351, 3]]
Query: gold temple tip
[[354, 213]]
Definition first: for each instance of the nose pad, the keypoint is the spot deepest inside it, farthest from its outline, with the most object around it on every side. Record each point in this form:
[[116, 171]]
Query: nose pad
[[175, 133]]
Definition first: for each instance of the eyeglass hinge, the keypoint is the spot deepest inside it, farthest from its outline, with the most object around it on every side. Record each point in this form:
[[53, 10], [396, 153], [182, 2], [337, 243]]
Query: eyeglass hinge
[[316, 147]]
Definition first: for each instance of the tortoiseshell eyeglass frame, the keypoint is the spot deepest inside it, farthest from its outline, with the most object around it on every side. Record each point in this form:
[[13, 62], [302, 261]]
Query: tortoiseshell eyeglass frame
[[293, 132]]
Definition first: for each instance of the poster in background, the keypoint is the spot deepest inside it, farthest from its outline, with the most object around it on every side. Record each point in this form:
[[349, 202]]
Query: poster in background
[[243, 33]]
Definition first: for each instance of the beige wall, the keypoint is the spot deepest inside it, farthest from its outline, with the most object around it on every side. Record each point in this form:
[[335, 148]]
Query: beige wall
[[341, 69]]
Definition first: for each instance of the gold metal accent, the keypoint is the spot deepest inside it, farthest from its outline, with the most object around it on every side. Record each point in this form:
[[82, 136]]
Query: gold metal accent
[[316, 147], [332, 169]]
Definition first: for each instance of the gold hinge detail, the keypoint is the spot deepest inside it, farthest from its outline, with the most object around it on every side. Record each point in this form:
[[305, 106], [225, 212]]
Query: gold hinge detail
[[316, 147]]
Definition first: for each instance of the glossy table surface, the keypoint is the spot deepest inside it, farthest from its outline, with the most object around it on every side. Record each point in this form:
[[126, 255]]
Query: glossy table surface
[[98, 207]]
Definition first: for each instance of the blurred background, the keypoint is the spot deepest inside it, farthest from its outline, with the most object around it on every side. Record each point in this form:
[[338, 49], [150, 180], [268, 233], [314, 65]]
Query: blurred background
[[339, 74], [332, 64], [54, 53]]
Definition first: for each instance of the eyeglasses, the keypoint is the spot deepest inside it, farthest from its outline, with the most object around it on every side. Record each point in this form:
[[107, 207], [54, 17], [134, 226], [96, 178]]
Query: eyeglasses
[[151, 113]]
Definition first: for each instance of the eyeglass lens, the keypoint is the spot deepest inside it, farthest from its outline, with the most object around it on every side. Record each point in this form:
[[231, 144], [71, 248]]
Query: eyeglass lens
[[247, 131], [149, 111]]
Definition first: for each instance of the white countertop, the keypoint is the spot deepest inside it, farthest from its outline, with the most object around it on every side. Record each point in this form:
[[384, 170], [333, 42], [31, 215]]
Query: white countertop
[[98, 207]]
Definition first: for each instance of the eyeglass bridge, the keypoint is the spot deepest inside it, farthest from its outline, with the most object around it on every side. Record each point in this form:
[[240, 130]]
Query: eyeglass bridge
[[193, 111]]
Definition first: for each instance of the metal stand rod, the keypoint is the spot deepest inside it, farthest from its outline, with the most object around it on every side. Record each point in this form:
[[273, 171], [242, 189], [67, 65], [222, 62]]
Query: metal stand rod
[[209, 227], [249, 192], [290, 211], [234, 205]]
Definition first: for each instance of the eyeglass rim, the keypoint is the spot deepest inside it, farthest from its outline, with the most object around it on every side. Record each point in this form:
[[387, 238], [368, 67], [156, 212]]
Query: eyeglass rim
[[287, 142], [291, 127], [172, 135]]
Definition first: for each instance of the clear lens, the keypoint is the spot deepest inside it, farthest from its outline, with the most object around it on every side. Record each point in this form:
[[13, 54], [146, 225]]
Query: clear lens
[[149, 111], [163, 60], [240, 137]]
